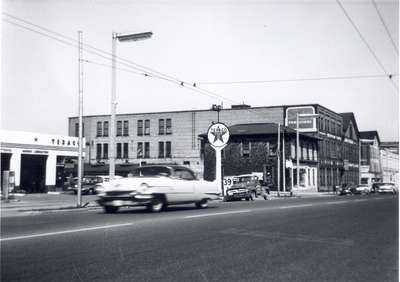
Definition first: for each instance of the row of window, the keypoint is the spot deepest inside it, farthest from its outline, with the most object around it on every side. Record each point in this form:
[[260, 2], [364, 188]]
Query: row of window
[[143, 127], [330, 126], [142, 152]]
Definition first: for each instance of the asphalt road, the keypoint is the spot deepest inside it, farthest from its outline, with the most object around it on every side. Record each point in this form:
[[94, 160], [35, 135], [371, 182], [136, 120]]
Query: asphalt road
[[350, 238]]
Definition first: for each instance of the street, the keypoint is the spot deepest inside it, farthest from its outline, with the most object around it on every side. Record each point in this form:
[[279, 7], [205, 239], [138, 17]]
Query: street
[[353, 238]]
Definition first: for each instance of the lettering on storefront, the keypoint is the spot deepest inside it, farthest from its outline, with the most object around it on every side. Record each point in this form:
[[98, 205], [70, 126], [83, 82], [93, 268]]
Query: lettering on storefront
[[306, 124], [63, 142]]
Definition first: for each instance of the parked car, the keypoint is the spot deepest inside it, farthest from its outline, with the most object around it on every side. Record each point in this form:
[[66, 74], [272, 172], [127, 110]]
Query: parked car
[[88, 185], [387, 188], [362, 189], [346, 189], [156, 187], [249, 181], [238, 193]]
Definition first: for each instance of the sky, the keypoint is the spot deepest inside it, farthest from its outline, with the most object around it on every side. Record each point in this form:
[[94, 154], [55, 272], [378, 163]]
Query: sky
[[204, 42]]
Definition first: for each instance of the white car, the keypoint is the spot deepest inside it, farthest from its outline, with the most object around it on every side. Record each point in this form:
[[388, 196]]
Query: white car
[[102, 179], [387, 188], [156, 187], [363, 188]]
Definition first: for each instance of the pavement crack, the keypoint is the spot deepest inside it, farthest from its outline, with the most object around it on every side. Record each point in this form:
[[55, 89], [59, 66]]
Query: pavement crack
[[203, 275], [76, 272]]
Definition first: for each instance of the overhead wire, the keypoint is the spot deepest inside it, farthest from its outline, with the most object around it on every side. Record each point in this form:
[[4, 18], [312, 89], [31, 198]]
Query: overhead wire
[[294, 79], [386, 28], [366, 43]]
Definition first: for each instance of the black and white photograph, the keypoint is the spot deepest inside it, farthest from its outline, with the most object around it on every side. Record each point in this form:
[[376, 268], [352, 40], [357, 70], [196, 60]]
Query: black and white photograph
[[199, 140]]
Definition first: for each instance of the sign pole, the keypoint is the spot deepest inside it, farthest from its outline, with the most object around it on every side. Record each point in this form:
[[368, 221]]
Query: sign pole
[[218, 170], [218, 136]]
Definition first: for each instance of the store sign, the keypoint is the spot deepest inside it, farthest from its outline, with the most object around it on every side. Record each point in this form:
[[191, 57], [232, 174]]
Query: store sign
[[306, 124], [218, 135]]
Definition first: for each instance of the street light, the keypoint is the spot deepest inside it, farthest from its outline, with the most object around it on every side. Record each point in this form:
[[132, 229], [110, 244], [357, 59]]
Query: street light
[[122, 38], [297, 143]]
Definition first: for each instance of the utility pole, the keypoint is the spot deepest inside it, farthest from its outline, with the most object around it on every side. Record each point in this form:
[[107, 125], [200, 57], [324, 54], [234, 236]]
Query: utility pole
[[113, 107], [297, 152], [283, 162], [80, 70], [278, 158]]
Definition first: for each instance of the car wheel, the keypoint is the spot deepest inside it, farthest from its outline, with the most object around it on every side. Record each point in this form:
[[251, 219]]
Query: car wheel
[[265, 198], [110, 209], [156, 205], [202, 204], [247, 199]]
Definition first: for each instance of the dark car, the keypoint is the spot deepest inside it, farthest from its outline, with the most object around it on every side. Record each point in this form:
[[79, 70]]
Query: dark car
[[346, 189], [88, 184], [249, 181], [238, 193]]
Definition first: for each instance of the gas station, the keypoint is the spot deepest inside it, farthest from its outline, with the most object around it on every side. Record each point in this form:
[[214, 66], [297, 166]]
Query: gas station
[[35, 162]]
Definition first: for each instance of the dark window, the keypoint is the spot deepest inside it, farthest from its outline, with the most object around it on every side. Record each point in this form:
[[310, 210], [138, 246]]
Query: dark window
[[147, 127], [168, 126], [119, 149], [139, 150], [161, 149], [77, 129], [105, 129], [245, 149], [99, 129], [126, 151], [326, 125], [168, 149], [105, 151], [161, 127], [140, 127], [147, 150], [126, 128], [119, 128], [98, 151]]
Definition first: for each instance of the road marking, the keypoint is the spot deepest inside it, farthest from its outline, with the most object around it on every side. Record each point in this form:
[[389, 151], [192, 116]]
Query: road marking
[[296, 206], [218, 213], [63, 232]]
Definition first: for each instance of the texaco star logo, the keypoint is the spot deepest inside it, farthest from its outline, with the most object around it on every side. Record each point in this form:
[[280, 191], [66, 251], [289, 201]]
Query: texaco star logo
[[218, 135]]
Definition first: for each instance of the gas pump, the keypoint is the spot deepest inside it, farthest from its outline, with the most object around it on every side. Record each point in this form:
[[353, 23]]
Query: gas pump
[[8, 183]]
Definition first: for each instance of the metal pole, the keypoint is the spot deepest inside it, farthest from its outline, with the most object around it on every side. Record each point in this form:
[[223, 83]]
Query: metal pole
[[297, 152], [113, 108], [80, 69], [283, 162], [218, 171], [278, 158]]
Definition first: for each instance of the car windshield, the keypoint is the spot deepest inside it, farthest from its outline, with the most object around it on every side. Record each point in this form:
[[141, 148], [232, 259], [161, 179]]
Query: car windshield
[[152, 171]]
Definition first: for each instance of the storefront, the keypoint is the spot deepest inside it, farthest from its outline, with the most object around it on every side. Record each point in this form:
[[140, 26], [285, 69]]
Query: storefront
[[37, 160]]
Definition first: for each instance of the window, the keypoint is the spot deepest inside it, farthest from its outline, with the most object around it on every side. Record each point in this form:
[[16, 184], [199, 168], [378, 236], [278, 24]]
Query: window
[[161, 149], [126, 151], [326, 125], [168, 149], [147, 150], [105, 129], [140, 150], [321, 123], [126, 128], [147, 127], [161, 127], [105, 151], [169, 126], [77, 129], [119, 128], [292, 150], [140, 127], [99, 129], [98, 151], [245, 148], [119, 149]]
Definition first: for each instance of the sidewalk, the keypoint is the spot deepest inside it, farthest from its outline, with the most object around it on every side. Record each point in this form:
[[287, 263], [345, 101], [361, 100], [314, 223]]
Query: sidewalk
[[26, 204]]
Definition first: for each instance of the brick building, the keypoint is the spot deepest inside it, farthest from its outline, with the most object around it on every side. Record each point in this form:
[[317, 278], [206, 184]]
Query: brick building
[[350, 149], [253, 148]]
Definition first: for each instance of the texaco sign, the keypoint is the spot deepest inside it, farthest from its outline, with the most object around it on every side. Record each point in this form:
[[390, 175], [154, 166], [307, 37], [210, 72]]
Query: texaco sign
[[218, 135]]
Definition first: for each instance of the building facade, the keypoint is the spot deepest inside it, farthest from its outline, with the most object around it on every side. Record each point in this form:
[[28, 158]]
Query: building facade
[[390, 166], [328, 127], [37, 160], [253, 148], [371, 170], [350, 150]]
